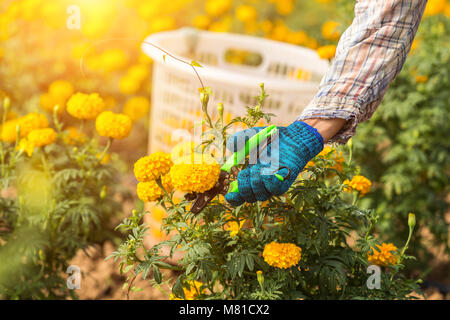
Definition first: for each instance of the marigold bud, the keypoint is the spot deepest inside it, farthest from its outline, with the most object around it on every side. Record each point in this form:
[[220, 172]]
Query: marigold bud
[[411, 220]]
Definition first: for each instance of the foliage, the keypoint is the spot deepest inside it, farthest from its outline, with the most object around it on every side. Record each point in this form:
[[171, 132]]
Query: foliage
[[334, 234], [53, 203], [404, 147]]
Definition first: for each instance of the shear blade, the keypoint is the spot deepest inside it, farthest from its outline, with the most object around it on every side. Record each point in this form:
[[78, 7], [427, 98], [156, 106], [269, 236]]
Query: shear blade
[[204, 198]]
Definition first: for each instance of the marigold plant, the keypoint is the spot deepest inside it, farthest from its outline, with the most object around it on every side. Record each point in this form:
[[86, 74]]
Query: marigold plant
[[314, 242]]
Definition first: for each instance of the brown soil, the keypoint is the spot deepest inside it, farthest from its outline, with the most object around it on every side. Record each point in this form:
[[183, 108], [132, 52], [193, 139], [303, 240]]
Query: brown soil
[[101, 278]]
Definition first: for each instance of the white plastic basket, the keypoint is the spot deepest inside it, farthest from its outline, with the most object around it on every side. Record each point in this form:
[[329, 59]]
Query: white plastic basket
[[291, 76]]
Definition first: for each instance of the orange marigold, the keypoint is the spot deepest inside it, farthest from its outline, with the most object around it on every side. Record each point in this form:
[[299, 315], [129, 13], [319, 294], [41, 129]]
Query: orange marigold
[[358, 183], [282, 255], [191, 293], [384, 256]]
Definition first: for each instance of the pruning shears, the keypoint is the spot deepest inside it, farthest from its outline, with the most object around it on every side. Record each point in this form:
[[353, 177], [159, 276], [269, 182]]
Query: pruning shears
[[228, 172]]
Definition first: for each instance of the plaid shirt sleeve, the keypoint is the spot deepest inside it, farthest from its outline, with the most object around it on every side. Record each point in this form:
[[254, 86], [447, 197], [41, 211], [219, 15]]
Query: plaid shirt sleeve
[[370, 54]]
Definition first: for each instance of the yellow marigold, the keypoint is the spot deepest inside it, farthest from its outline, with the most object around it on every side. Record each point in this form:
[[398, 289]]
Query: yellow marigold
[[85, 106], [201, 22], [358, 183], [27, 123], [152, 167], [329, 30], [384, 256], [106, 158], [246, 13], [150, 191], [282, 255], [138, 71], [61, 89], [42, 137], [284, 7], [299, 37], [330, 153], [8, 130], [112, 59], [195, 176], [129, 84], [74, 136], [136, 107], [25, 146], [113, 125], [48, 102], [216, 8], [191, 293], [435, 7], [233, 227], [327, 52], [421, 79]]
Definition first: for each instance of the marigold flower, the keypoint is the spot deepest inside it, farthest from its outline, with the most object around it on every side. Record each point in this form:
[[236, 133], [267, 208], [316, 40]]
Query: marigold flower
[[358, 183], [329, 31], [25, 146], [113, 125], [246, 13], [106, 158], [284, 7], [8, 131], [150, 191], [435, 7], [129, 84], [48, 102], [152, 167], [136, 107], [330, 153], [85, 106], [421, 79], [61, 89], [195, 176], [327, 52], [74, 136], [138, 71], [191, 293], [233, 227], [201, 22], [32, 121], [282, 255], [384, 256], [216, 8], [42, 137]]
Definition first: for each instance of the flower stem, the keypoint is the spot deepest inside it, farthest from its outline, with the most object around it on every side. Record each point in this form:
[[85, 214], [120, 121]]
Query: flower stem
[[108, 144]]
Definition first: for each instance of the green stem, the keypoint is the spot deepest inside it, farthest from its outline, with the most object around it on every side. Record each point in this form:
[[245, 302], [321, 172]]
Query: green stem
[[406, 245], [102, 155]]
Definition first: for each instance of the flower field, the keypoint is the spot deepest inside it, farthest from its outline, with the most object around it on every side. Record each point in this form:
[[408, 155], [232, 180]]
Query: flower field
[[77, 173]]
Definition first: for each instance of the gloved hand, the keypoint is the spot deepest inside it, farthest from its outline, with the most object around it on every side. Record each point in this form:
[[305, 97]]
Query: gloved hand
[[298, 143]]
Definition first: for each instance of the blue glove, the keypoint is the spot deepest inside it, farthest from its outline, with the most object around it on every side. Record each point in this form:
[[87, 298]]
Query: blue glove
[[298, 143]]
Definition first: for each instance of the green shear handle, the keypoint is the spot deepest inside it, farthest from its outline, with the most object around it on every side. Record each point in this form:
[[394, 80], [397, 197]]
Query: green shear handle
[[251, 144]]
